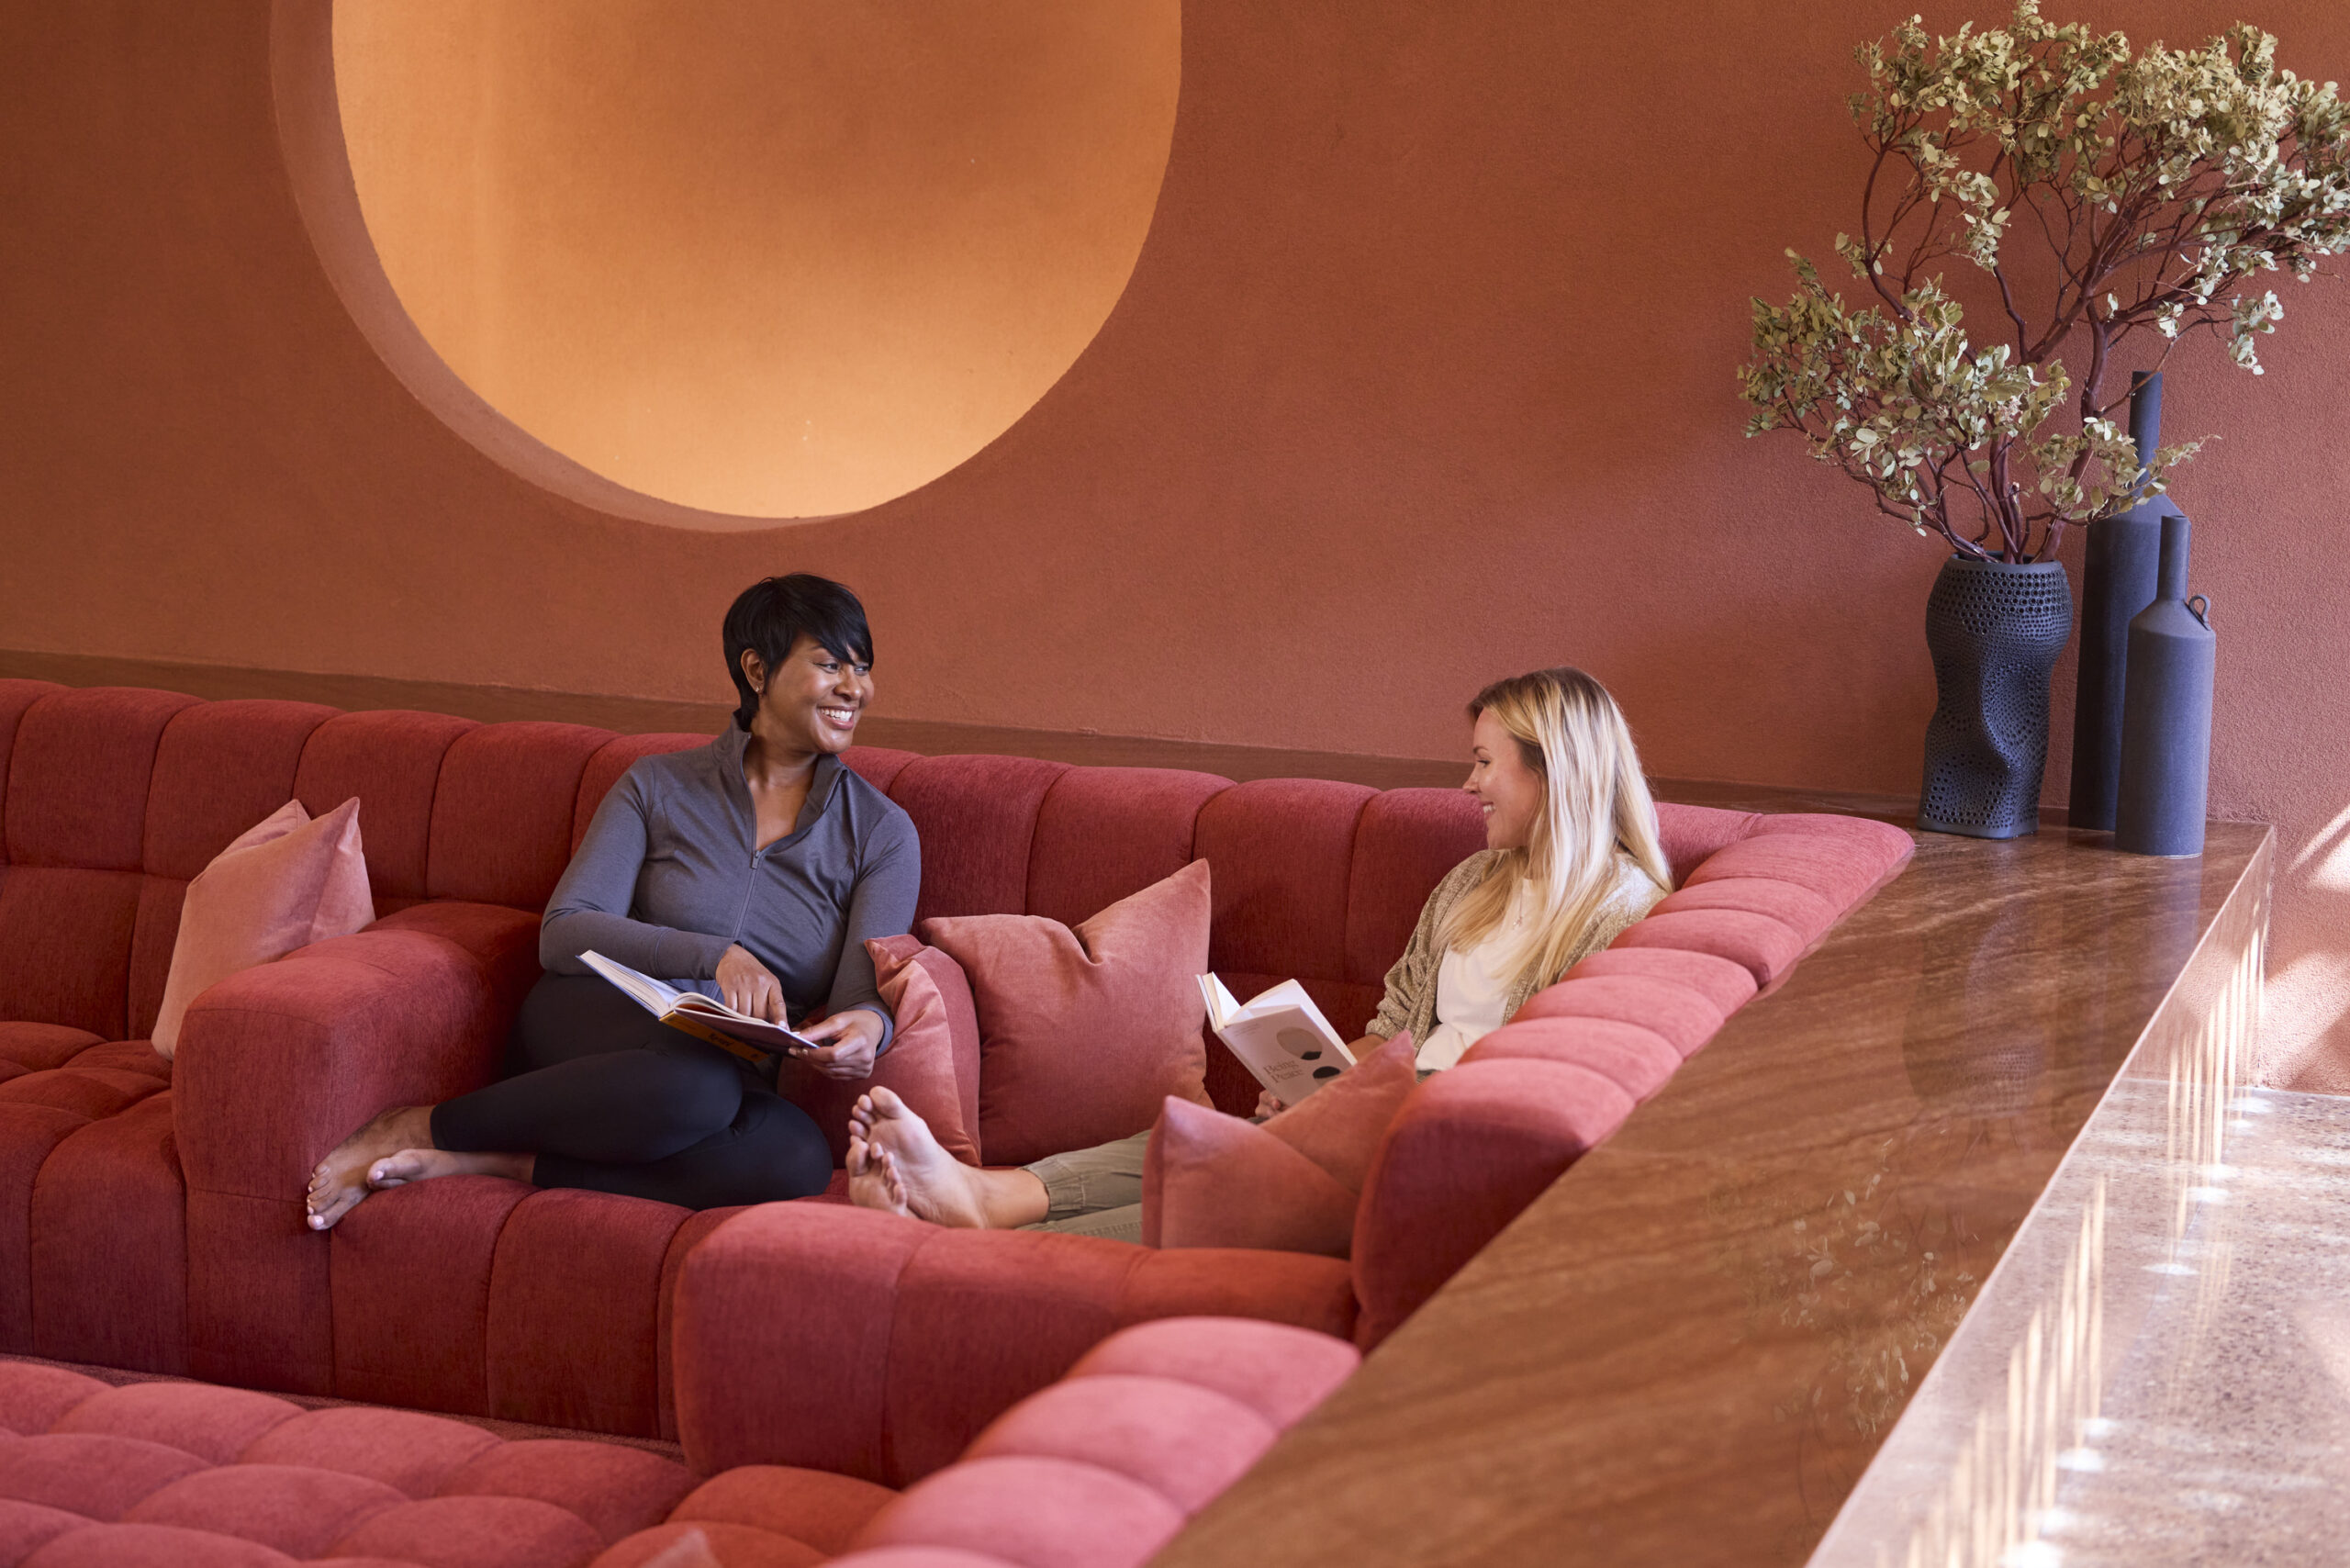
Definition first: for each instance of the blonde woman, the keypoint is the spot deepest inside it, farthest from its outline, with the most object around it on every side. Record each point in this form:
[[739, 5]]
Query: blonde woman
[[1571, 860]]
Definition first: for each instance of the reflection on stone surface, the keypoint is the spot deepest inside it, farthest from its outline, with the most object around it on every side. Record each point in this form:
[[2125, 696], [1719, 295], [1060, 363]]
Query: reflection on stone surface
[[2002, 1481]]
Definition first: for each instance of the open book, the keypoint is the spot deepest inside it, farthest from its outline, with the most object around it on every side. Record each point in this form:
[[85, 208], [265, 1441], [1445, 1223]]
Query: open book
[[752, 1039], [1280, 1037]]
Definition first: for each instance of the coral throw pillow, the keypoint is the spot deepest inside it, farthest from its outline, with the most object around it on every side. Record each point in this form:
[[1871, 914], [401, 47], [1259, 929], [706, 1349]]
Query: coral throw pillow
[[288, 882], [1083, 1031], [1290, 1184], [933, 1062]]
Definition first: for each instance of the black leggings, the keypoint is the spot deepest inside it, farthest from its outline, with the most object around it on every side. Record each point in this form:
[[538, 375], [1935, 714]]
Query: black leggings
[[611, 1099]]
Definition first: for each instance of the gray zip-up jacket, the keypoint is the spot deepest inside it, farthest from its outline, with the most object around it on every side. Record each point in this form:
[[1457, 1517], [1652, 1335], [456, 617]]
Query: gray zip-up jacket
[[668, 877]]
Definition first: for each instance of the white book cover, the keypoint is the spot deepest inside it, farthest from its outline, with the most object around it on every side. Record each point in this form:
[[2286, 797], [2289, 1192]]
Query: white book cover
[[666, 1002], [1280, 1036]]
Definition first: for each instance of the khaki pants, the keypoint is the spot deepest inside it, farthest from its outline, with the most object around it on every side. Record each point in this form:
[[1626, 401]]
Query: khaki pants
[[1094, 1192]]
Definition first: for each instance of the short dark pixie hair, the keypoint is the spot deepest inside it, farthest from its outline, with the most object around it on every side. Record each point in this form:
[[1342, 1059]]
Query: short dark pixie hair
[[774, 613]]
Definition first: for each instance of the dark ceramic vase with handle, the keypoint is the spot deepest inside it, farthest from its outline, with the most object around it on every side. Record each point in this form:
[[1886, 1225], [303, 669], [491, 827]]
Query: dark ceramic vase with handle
[[1995, 630], [2167, 716]]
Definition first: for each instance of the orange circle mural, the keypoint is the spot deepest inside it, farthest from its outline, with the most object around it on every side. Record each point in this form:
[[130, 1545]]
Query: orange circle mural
[[761, 259]]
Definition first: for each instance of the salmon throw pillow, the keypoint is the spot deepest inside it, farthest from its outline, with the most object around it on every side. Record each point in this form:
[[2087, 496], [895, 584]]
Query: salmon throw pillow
[[1084, 1030], [1290, 1184], [286, 882], [933, 1062]]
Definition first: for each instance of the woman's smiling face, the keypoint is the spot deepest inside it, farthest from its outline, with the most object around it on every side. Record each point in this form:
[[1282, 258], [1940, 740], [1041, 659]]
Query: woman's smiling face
[[813, 699], [1508, 791]]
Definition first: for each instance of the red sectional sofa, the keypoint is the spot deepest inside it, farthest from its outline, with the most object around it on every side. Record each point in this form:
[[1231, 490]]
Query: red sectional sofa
[[150, 1213], [1097, 1470]]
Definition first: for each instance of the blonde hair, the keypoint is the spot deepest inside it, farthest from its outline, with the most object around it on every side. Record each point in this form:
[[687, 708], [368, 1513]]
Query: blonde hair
[[1595, 803]]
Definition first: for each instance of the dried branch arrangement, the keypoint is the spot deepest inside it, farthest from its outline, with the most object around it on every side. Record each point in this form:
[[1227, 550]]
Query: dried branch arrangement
[[2105, 193]]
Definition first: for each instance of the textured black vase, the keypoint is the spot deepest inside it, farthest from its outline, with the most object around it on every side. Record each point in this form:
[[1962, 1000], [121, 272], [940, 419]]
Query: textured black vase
[[1995, 631], [2166, 715], [2117, 581]]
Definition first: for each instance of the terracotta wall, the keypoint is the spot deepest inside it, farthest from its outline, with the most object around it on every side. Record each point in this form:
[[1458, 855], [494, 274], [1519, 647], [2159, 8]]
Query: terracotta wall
[[1424, 375]]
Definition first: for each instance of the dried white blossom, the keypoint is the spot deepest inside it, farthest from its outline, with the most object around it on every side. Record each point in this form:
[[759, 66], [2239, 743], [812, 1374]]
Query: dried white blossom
[[2223, 167]]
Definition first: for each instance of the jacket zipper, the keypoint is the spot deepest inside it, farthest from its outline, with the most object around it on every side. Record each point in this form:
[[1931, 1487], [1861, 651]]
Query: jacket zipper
[[750, 881]]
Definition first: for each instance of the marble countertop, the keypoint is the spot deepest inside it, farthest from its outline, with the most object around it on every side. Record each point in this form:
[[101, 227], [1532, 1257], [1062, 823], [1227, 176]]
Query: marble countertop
[[1691, 1350]]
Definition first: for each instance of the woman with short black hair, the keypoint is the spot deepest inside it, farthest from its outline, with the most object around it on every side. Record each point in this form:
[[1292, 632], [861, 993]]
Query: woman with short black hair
[[753, 870]]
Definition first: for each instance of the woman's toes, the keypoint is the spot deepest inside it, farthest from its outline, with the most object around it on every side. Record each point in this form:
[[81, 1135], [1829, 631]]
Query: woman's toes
[[393, 1169], [325, 1215]]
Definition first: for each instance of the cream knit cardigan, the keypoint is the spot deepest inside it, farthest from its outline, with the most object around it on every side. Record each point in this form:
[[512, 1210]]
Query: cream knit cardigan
[[1410, 1001]]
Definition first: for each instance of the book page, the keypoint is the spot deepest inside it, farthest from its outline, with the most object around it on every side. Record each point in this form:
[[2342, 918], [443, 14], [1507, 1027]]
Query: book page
[[648, 992], [1272, 1000], [1221, 1007], [1280, 1037]]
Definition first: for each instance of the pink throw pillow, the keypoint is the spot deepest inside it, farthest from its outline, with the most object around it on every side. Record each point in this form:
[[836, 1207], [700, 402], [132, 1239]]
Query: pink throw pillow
[[1290, 1185], [1083, 1032], [1212, 1179], [286, 882], [933, 1062]]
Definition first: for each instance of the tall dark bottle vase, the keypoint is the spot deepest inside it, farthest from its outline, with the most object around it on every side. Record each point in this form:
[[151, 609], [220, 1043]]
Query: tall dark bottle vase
[[2117, 581], [2166, 715], [1995, 630]]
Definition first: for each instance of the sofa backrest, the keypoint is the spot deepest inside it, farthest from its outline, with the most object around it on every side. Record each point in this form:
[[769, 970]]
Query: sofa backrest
[[112, 798]]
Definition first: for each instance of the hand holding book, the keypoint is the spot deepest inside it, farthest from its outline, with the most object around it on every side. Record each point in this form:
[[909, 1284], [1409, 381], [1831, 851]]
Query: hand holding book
[[748, 986], [843, 1046], [729, 1028], [1280, 1036]]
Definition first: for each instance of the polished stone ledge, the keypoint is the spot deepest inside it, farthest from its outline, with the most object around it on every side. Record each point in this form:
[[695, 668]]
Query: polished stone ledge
[[1693, 1346]]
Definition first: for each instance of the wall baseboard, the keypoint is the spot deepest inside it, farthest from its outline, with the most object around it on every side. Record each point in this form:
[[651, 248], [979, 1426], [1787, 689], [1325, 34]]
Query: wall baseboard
[[645, 715]]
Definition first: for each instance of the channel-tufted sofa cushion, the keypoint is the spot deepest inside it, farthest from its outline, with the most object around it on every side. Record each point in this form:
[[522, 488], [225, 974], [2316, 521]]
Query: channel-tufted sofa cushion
[[1099, 1471]]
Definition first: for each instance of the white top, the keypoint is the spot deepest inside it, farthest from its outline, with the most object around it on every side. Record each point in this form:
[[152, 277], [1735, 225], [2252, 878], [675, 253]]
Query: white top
[[1473, 990]]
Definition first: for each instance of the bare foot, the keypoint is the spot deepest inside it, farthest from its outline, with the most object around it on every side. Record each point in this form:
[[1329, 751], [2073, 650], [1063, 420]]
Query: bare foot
[[873, 1181], [936, 1185], [423, 1164], [341, 1179]]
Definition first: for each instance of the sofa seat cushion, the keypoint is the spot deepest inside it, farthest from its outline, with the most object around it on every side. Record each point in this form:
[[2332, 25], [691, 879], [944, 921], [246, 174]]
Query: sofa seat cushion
[[94, 1088], [128, 1056], [180, 1473], [186, 1473], [38, 1048], [86, 1148]]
